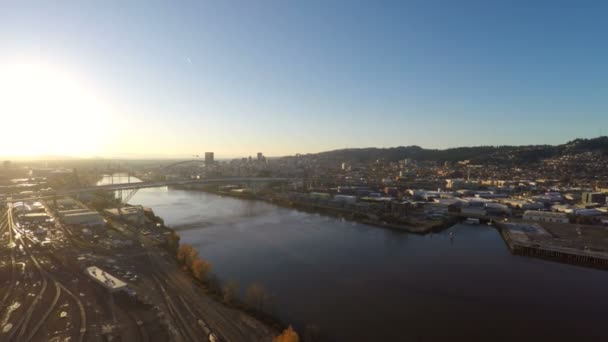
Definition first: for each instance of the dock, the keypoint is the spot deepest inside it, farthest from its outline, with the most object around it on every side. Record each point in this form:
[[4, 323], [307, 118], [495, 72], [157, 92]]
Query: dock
[[567, 243]]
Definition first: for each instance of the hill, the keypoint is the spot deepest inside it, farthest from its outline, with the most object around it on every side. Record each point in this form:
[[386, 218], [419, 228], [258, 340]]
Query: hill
[[477, 154]]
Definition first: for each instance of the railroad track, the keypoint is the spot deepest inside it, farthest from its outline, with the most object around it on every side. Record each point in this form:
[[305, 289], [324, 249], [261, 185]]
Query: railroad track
[[61, 288], [46, 314], [143, 333], [4, 224], [3, 221], [83, 316], [24, 322], [203, 323], [182, 324], [220, 316], [28, 315]]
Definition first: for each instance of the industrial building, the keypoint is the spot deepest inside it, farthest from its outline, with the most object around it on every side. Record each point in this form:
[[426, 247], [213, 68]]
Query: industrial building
[[133, 215], [545, 216], [86, 218], [105, 279], [64, 213], [35, 217], [74, 212]]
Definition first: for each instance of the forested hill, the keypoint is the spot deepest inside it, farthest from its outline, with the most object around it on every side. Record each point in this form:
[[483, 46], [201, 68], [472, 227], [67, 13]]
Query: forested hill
[[478, 154]]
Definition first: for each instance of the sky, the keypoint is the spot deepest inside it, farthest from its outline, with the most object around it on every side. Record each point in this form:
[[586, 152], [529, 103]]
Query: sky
[[178, 78]]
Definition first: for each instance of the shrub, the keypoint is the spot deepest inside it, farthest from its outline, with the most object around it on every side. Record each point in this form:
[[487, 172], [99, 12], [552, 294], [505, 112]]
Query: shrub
[[288, 335]]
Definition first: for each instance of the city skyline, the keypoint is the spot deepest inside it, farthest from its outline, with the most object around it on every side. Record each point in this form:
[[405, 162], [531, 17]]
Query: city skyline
[[203, 156], [309, 77]]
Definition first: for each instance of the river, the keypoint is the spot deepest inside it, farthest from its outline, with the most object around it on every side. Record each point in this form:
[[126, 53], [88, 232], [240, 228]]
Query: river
[[363, 283]]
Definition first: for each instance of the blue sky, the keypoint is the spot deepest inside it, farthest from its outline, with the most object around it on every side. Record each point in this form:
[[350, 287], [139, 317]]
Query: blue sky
[[284, 77]]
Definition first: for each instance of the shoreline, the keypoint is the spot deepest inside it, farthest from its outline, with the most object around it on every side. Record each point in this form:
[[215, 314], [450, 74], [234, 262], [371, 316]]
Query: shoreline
[[425, 227], [212, 288]]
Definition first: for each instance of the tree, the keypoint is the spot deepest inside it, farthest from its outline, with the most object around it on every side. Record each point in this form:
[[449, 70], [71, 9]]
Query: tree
[[173, 241], [288, 335], [230, 291], [191, 256], [183, 252], [201, 268], [256, 296], [186, 254]]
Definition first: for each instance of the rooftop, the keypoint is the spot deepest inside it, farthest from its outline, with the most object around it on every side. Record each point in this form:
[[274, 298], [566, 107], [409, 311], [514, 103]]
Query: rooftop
[[105, 279]]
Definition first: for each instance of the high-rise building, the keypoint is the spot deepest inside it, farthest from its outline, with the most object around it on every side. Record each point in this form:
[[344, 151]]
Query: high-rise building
[[208, 158], [260, 156]]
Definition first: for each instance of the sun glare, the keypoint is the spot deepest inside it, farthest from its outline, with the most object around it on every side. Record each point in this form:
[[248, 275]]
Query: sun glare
[[47, 111]]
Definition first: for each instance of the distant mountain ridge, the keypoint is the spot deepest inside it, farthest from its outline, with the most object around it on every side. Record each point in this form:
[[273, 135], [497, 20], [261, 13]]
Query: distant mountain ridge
[[477, 154]]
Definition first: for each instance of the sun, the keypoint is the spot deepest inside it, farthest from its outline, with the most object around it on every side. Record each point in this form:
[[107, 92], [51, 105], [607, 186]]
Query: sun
[[45, 110]]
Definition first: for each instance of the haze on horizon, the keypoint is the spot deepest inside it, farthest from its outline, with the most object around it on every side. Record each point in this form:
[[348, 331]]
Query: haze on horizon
[[177, 79]]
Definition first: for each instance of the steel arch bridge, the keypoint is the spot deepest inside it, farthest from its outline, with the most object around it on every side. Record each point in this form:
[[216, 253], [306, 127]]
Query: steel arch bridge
[[195, 161], [150, 184]]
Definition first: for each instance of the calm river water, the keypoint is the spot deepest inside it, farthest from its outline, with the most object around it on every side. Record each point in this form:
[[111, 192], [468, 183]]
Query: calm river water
[[363, 283]]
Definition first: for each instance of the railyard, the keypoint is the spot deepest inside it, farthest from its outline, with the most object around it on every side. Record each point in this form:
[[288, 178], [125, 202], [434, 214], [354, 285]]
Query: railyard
[[61, 283]]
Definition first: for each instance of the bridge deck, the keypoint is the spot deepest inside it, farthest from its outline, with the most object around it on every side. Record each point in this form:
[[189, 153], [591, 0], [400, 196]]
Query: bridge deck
[[152, 184]]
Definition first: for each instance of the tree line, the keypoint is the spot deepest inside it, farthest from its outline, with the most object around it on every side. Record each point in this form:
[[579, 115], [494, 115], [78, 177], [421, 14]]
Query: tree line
[[256, 297]]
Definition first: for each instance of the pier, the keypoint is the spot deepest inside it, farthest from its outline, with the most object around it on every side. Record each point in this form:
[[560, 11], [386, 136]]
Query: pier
[[587, 246]]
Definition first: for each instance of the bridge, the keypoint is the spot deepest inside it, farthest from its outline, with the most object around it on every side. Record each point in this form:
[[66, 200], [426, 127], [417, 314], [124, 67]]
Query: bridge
[[149, 184]]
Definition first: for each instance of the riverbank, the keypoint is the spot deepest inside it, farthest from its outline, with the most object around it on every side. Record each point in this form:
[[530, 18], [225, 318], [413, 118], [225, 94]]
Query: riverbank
[[212, 285], [313, 266], [421, 227]]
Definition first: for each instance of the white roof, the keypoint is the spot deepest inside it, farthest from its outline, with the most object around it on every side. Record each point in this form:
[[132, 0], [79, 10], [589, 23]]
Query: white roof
[[105, 279]]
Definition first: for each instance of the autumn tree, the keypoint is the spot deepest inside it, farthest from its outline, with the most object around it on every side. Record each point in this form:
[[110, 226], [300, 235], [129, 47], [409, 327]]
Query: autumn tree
[[201, 268], [230, 291], [256, 296], [183, 252], [288, 335], [191, 256]]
